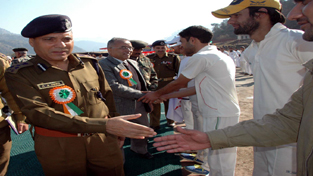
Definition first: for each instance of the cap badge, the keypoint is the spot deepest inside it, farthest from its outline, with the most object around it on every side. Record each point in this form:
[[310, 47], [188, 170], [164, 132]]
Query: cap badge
[[257, 3]]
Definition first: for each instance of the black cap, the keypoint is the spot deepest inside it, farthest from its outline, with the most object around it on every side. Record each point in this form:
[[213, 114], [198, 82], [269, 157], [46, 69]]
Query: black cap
[[137, 44], [47, 24], [159, 43], [19, 49]]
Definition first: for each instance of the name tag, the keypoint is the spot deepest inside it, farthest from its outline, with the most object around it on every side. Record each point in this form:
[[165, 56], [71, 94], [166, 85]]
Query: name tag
[[50, 84]]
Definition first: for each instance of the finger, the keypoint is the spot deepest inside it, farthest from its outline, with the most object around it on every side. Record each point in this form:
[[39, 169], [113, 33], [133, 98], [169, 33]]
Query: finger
[[130, 117], [184, 131], [169, 148], [140, 99], [19, 128], [164, 143]]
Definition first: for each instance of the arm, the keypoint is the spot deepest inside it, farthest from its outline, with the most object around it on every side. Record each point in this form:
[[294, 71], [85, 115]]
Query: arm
[[107, 93], [180, 82], [273, 129], [177, 64], [17, 115], [153, 79], [181, 93]]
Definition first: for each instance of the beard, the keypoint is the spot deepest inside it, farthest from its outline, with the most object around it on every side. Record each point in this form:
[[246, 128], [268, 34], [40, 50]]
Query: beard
[[248, 27], [189, 49], [308, 34]]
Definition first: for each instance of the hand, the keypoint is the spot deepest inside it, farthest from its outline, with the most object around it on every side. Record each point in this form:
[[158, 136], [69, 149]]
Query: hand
[[187, 140], [120, 126], [149, 97], [164, 97], [22, 127], [120, 141]]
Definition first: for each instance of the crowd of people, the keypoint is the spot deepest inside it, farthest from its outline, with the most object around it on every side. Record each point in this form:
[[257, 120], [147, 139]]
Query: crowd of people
[[83, 107]]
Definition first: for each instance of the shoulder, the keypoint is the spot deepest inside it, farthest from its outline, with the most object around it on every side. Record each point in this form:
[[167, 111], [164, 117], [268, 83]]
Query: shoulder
[[84, 57], [173, 55], [151, 55], [19, 66]]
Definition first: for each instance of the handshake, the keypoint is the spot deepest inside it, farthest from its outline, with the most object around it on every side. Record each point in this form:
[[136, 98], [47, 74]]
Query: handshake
[[159, 96], [152, 97]]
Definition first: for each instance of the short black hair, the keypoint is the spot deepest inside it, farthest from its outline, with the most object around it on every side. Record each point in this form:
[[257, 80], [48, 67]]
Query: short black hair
[[203, 34], [275, 15]]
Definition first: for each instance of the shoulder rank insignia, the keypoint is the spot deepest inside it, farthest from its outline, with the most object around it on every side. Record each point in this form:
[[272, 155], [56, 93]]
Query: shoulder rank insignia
[[15, 67]]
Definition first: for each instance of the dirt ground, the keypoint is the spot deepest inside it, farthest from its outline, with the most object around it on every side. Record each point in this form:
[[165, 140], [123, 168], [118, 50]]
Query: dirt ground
[[244, 165]]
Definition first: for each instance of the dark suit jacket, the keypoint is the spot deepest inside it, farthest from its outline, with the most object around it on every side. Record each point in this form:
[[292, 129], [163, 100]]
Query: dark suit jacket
[[125, 97]]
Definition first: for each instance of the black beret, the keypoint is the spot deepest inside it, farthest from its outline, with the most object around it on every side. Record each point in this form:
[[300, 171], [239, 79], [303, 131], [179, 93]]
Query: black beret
[[19, 49], [159, 43], [138, 44], [47, 24]]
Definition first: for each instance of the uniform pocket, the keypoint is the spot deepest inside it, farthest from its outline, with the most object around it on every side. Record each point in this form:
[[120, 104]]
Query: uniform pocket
[[92, 87]]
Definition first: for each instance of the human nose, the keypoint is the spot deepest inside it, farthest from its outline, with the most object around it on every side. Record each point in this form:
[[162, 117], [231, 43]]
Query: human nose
[[231, 20], [60, 44], [296, 12]]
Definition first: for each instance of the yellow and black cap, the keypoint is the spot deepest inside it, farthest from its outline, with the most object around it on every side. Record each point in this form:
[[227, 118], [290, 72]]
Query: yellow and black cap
[[238, 5]]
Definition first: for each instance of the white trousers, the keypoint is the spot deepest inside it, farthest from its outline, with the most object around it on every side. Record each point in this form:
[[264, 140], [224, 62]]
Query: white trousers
[[275, 161], [187, 113], [220, 162], [197, 116]]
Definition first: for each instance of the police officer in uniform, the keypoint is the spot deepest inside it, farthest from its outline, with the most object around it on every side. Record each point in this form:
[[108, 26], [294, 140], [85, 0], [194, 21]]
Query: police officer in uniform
[[68, 100], [20, 55], [145, 66], [166, 66], [5, 138]]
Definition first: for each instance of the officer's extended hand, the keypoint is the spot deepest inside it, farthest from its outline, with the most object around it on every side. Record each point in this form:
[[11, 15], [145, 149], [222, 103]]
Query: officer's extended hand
[[149, 97], [120, 126], [22, 127], [187, 140]]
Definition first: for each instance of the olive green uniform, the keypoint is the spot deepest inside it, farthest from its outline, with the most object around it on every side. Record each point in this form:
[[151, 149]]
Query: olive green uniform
[[94, 154], [148, 72], [166, 68], [5, 138]]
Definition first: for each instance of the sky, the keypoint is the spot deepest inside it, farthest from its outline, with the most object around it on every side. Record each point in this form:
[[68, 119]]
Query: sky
[[100, 20]]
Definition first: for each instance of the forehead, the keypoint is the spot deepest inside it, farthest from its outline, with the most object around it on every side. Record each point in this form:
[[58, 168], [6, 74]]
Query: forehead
[[159, 46], [122, 42], [57, 34], [246, 10]]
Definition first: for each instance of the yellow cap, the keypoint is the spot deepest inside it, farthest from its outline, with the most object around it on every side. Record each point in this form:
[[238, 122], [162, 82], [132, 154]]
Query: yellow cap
[[238, 5]]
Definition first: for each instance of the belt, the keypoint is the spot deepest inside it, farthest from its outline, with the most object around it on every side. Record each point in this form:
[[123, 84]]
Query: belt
[[54, 133], [166, 79]]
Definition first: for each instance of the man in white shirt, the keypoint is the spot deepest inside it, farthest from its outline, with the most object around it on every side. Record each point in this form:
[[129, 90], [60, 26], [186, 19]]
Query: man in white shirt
[[276, 55], [234, 55], [214, 75]]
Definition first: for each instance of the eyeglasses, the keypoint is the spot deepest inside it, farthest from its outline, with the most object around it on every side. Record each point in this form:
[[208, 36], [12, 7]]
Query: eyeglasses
[[125, 48]]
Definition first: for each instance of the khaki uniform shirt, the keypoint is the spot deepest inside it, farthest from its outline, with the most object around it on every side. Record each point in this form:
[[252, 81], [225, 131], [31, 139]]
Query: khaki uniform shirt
[[4, 64], [148, 72], [166, 67], [292, 123], [31, 81]]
